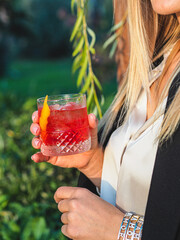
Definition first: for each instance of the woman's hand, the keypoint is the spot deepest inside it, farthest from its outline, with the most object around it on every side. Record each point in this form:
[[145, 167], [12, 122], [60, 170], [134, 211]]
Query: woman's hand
[[90, 162], [87, 216]]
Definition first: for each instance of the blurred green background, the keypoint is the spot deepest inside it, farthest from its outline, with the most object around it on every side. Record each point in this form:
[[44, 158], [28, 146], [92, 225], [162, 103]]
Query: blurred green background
[[35, 60]]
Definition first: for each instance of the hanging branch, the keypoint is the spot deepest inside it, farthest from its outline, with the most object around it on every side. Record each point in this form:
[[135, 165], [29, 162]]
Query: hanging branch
[[83, 51], [116, 31]]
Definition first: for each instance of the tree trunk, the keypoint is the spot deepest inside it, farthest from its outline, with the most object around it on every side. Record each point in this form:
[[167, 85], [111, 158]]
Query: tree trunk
[[122, 52]]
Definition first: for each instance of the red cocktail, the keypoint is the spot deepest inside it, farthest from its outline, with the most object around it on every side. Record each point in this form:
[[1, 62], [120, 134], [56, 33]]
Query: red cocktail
[[67, 128]]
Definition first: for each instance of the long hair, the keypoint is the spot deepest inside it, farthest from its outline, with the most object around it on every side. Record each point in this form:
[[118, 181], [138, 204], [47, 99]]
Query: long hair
[[151, 35]]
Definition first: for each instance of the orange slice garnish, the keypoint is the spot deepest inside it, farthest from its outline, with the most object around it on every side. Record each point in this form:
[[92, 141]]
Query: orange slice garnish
[[43, 121]]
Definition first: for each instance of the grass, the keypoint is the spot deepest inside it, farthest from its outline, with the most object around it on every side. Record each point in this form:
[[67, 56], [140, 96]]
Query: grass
[[38, 78], [29, 78]]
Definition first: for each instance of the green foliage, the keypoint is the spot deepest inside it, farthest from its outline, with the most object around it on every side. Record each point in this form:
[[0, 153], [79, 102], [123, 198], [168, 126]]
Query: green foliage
[[84, 40], [27, 208]]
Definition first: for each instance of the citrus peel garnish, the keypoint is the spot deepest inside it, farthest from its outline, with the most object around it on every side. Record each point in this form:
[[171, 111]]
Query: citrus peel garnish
[[43, 121]]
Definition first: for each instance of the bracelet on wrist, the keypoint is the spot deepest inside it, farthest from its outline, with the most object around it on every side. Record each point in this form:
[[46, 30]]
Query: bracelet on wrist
[[131, 227]]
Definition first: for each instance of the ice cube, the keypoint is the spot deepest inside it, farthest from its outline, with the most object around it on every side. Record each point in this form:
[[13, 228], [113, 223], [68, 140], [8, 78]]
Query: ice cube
[[55, 107], [70, 106]]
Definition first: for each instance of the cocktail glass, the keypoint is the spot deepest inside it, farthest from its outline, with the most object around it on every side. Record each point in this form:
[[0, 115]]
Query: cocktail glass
[[67, 130]]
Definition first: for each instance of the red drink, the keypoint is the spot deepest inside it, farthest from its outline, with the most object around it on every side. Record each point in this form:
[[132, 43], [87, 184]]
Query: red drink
[[67, 130]]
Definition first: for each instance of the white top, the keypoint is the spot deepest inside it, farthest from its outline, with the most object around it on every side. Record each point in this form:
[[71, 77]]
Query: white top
[[129, 158]]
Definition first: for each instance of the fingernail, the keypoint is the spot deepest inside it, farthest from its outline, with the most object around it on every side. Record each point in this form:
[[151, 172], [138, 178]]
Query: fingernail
[[36, 142], [93, 116], [36, 129]]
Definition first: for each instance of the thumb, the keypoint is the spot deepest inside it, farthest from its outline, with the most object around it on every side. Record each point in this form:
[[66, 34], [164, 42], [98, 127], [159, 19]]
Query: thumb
[[93, 124]]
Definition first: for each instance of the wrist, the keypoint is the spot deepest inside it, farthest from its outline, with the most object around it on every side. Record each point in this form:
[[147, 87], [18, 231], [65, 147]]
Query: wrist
[[93, 169], [116, 220]]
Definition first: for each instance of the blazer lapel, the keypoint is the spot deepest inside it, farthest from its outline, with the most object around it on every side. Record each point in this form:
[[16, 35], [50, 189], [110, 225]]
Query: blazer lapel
[[162, 217]]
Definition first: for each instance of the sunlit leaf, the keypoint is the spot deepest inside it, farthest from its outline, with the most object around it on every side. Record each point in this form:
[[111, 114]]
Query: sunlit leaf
[[92, 50], [78, 47], [110, 40], [76, 63], [98, 105], [84, 54], [93, 36], [73, 2], [77, 25], [113, 49], [97, 82], [84, 40], [82, 72], [87, 83], [90, 96], [117, 26]]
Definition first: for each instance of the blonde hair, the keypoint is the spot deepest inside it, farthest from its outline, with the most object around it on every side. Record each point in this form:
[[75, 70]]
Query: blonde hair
[[151, 35]]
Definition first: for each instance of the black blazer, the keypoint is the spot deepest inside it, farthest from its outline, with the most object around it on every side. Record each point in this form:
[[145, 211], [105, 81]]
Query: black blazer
[[162, 216]]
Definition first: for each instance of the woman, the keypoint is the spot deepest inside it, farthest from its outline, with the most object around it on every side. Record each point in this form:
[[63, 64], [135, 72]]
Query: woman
[[135, 163]]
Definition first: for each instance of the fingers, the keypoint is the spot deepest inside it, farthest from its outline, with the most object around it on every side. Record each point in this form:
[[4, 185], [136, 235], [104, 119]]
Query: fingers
[[93, 123], [36, 143], [39, 157], [35, 129], [64, 230], [64, 218], [64, 193], [35, 117], [63, 205]]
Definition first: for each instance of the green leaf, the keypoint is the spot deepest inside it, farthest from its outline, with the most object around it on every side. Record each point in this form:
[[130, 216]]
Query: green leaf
[[72, 5], [95, 111], [76, 63], [82, 72], [93, 36], [92, 50], [27, 231], [97, 105], [97, 82], [102, 100], [117, 26], [3, 201], [78, 47], [39, 226], [110, 40], [35, 227], [14, 227], [90, 96], [84, 54], [113, 49], [77, 25], [87, 83], [18, 208]]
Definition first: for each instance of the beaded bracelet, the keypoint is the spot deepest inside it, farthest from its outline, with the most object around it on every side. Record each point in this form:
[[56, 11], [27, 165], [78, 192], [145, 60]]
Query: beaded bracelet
[[138, 230], [124, 226], [131, 227]]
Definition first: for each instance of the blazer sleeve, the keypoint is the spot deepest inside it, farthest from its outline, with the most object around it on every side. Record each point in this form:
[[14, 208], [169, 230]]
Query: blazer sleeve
[[84, 182]]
